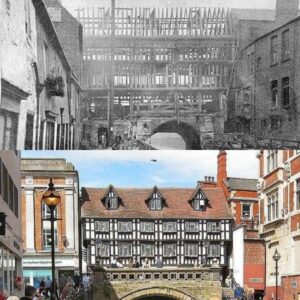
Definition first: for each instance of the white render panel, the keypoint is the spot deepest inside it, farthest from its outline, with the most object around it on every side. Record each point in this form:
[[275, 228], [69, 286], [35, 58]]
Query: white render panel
[[29, 221], [238, 255], [70, 228]]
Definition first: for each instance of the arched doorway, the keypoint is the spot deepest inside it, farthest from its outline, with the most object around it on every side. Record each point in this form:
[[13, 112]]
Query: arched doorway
[[186, 131]]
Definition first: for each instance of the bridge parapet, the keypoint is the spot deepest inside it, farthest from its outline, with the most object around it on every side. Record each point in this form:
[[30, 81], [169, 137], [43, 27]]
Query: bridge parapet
[[176, 283]]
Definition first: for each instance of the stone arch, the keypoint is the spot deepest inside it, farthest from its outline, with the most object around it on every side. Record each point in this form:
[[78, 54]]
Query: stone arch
[[157, 291], [186, 131]]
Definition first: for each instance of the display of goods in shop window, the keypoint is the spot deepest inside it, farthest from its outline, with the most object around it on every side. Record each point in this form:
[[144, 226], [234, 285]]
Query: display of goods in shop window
[[55, 85]]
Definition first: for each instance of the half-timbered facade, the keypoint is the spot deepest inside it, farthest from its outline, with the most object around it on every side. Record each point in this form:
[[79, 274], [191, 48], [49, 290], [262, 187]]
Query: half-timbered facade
[[183, 227]]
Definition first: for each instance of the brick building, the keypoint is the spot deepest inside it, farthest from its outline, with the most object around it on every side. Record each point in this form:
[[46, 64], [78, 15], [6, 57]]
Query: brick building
[[266, 87], [11, 248], [248, 255], [279, 195], [36, 233]]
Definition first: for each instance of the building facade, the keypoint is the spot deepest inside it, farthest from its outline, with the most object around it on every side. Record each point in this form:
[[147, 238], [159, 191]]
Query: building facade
[[266, 93], [17, 87], [183, 227], [280, 217], [164, 65], [11, 246], [36, 230], [248, 255]]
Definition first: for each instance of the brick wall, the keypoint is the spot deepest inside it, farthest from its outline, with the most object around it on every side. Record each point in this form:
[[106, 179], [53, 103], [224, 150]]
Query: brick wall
[[294, 222], [290, 287]]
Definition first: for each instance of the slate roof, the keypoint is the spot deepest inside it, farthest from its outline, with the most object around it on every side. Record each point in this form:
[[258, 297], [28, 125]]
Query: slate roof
[[177, 204], [241, 184]]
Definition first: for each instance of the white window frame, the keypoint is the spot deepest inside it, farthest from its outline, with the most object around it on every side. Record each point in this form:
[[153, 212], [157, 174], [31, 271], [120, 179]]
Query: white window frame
[[169, 250], [125, 250], [147, 250], [124, 226], [170, 227], [272, 206], [191, 226], [147, 226], [103, 250], [102, 226], [191, 250]]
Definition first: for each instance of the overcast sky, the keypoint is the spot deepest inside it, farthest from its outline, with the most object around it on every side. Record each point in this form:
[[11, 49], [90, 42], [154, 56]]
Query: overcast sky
[[135, 169], [71, 5]]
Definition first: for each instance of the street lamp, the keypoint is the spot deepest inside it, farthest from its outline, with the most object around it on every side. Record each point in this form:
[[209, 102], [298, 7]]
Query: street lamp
[[276, 258], [52, 198]]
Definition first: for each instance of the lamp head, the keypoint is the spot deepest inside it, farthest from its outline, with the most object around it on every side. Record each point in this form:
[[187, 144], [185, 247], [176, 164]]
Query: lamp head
[[51, 197], [276, 255]]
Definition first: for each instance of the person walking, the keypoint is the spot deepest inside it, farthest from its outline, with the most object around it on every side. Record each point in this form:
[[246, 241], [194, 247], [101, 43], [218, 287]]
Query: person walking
[[239, 292]]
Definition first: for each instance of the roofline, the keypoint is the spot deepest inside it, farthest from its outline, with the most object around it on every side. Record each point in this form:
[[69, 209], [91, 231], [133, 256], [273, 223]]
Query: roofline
[[271, 31], [154, 218]]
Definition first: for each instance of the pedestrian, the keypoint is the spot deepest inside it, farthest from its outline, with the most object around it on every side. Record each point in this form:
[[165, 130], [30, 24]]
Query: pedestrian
[[146, 263], [159, 263], [136, 263], [130, 263], [239, 292], [76, 280], [69, 292], [62, 281], [48, 285], [2, 295], [19, 290], [30, 293]]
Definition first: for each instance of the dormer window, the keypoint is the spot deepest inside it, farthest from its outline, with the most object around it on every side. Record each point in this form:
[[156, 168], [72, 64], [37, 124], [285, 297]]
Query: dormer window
[[155, 202], [111, 200], [199, 201]]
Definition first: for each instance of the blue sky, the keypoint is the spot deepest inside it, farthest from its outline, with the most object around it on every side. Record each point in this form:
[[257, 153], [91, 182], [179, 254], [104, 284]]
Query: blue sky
[[135, 169], [71, 5]]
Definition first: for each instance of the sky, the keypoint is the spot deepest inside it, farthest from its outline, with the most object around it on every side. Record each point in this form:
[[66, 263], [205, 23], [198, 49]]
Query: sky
[[135, 168], [71, 5]]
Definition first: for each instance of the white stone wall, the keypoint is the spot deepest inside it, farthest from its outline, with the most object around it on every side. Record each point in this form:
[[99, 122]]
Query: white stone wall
[[238, 255]]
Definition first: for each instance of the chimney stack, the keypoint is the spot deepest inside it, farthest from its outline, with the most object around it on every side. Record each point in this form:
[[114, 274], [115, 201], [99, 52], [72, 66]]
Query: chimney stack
[[286, 10], [222, 168]]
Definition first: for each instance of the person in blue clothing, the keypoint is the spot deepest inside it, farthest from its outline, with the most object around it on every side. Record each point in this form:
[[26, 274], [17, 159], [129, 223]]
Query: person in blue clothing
[[239, 292]]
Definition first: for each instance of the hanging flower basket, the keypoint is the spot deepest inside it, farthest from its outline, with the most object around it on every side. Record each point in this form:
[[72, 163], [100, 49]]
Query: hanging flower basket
[[55, 85]]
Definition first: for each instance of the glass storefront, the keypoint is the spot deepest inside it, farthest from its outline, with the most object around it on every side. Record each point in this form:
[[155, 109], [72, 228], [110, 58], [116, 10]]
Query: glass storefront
[[9, 265], [35, 276]]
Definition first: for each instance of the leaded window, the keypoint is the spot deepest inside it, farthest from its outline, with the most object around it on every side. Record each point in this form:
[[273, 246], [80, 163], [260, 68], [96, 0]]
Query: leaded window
[[272, 160], [199, 202], [191, 250], [213, 250], [111, 201], [124, 226], [213, 227], [147, 226], [169, 227], [155, 202], [102, 226], [191, 226], [169, 250], [274, 91], [103, 250], [147, 250], [125, 250]]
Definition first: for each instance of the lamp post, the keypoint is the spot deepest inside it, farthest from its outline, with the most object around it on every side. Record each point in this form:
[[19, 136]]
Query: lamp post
[[276, 258], [52, 198]]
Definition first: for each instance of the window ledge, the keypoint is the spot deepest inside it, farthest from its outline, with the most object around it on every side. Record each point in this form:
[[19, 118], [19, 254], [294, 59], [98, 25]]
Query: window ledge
[[283, 60], [274, 64]]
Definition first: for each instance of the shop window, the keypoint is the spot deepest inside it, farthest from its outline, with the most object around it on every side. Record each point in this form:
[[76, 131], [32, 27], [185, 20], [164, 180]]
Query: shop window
[[274, 50], [285, 45], [286, 92], [274, 91]]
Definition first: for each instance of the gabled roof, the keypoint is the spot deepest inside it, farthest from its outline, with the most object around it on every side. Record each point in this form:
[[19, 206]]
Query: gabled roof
[[242, 184], [155, 190], [198, 190], [177, 200]]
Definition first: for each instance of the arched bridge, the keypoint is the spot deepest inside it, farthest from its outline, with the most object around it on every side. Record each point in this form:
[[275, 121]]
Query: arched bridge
[[158, 283]]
